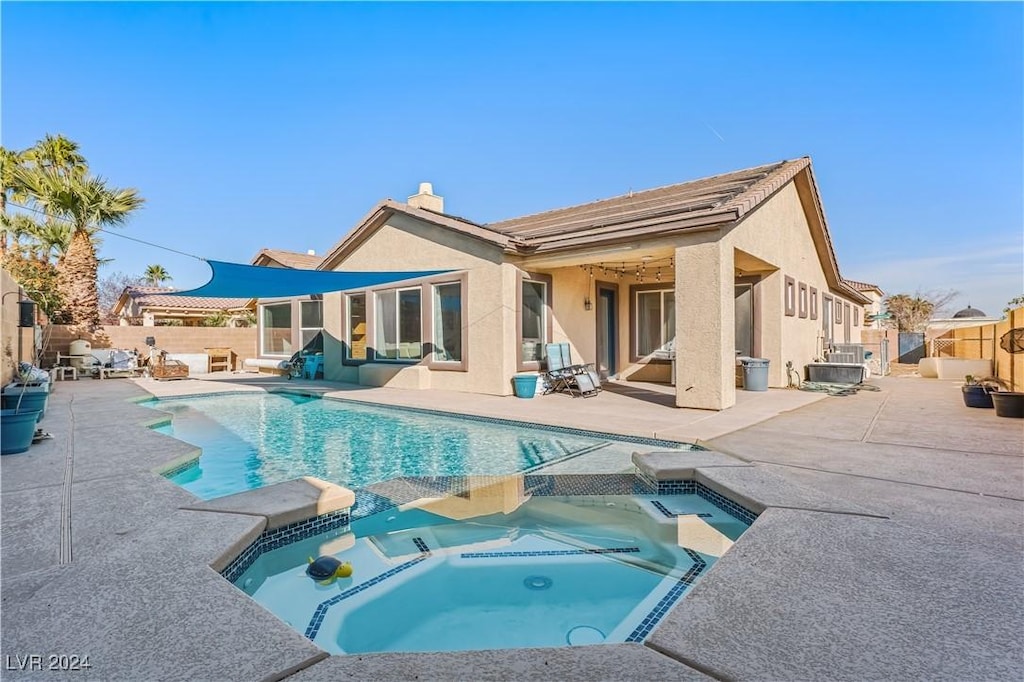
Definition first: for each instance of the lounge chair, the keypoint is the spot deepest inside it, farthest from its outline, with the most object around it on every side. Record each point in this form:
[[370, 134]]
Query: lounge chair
[[563, 375]]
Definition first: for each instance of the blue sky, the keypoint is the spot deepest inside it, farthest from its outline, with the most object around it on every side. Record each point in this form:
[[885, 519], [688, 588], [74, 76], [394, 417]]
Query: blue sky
[[281, 124]]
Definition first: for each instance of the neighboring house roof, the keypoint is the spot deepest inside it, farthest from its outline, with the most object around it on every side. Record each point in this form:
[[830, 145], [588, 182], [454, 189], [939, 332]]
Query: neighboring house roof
[[706, 204], [863, 286], [968, 312], [287, 259], [157, 297]]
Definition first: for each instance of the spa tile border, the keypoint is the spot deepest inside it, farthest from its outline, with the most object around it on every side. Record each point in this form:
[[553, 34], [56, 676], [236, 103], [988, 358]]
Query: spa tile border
[[550, 552], [668, 601], [279, 537]]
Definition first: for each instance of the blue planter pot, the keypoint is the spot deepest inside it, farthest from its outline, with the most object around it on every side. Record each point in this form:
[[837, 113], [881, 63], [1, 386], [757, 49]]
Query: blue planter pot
[[525, 385], [16, 430], [30, 401], [977, 396]]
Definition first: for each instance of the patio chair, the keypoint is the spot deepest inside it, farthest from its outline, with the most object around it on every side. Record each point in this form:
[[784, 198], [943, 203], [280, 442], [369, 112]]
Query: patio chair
[[562, 375], [586, 373]]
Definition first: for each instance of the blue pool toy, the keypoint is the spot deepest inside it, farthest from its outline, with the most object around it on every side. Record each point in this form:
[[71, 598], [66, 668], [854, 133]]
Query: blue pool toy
[[327, 569]]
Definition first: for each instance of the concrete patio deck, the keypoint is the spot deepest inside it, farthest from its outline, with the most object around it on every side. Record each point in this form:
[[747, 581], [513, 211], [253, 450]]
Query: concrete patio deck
[[891, 546]]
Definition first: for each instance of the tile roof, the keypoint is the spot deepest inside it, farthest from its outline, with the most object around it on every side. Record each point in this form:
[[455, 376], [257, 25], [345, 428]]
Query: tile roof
[[291, 259], [862, 286], [156, 297], [698, 204]]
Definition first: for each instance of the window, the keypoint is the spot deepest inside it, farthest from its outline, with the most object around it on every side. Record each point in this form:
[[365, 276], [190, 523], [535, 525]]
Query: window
[[311, 321], [814, 303], [803, 299], [398, 333], [276, 323], [655, 320], [839, 311], [534, 320], [789, 293], [826, 318], [858, 313], [447, 336], [356, 328]]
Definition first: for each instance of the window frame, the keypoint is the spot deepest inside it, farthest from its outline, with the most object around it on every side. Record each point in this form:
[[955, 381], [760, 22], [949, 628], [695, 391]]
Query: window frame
[[318, 299], [426, 288], [548, 318], [461, 365], [346, 316], [789, 296], [813, 303], [261, 327], [398, 324], [634, 291], [802, 300]]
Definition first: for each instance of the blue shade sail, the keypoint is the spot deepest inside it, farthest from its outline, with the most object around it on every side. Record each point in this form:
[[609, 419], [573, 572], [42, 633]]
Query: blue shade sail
[[235, 280]]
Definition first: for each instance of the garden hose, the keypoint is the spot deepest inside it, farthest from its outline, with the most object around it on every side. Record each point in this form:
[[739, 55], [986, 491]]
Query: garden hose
[[836, 389]]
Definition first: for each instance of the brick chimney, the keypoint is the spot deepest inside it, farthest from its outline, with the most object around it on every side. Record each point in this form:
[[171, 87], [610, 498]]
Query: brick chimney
[[426, 198]]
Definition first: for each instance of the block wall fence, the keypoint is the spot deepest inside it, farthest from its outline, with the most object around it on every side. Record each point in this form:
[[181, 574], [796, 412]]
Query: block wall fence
[[58, 339]]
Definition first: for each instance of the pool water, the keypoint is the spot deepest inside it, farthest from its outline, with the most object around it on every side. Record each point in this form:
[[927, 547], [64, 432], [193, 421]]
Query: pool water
[[452, 574], [253, 440]]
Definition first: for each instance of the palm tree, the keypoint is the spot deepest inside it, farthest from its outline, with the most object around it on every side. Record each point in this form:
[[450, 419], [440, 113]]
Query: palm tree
[[156, 275], [9, 187], [51, 241], [57, 154], [88, 204]]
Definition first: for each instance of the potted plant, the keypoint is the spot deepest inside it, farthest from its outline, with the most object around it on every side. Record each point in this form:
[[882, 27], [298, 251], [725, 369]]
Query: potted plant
[[978, 392], [18, 420], [30, 388]]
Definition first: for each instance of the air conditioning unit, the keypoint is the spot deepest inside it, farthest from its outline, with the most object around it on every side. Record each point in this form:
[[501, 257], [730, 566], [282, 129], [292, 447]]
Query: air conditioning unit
[[856, 349], [844, 358]]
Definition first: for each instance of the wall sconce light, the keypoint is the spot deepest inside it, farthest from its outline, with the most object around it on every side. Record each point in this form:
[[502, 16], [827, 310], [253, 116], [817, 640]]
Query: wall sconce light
[[586, 303]]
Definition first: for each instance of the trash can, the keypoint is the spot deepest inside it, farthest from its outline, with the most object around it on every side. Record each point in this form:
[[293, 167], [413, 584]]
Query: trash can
[[525, 385], [755, 374]]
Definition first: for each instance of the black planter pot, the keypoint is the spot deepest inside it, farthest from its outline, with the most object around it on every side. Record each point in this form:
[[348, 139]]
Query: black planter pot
[[977, 396], [1009, 404]]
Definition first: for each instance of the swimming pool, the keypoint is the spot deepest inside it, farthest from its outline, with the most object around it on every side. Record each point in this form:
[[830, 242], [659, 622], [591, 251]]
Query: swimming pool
[[252, 440], [503, 566]]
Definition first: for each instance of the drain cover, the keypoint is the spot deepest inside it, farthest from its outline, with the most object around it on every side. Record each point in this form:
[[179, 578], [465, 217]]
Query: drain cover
[[537, 582], [584, 634]]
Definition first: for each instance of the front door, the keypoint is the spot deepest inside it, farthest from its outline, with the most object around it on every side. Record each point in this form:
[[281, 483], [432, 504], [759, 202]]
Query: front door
[[744, 306], [606, 330]]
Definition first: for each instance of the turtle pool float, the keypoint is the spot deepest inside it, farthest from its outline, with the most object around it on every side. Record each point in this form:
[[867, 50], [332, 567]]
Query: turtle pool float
[[326, 569]]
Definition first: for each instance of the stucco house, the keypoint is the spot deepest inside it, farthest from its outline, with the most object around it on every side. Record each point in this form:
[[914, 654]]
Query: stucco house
[[150, 306], [873, 309], [668, 284]]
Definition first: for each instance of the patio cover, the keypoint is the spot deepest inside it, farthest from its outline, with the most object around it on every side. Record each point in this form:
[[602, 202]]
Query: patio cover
[[235, 280]]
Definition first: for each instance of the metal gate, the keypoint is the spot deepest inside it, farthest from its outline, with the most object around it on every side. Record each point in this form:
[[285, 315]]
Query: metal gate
[[911, 347]]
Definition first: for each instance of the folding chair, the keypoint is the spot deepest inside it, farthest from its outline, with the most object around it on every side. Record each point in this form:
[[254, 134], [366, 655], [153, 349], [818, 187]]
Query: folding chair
[[562, 375]]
